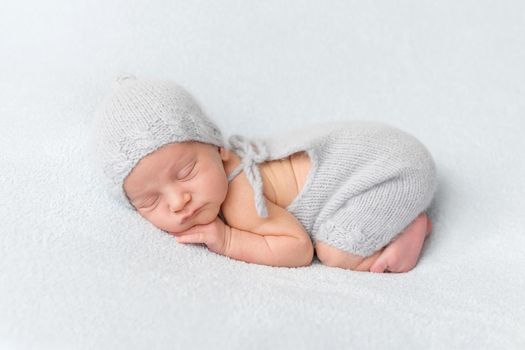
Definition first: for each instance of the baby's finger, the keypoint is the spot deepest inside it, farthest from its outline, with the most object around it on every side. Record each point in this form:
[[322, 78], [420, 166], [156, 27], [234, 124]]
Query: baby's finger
[[185, 232], [191, 238]]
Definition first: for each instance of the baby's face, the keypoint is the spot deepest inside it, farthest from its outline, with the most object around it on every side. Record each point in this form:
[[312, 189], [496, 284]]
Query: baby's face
[[168, 185]]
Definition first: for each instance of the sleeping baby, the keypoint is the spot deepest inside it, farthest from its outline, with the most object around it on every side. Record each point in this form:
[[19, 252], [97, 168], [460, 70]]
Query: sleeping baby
[[354, 193]]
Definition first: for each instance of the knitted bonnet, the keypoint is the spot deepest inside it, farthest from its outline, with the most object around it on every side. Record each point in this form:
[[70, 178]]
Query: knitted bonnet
[[138, 117]]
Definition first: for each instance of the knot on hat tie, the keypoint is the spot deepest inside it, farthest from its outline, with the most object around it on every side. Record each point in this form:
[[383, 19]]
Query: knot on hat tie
[[251, 152]]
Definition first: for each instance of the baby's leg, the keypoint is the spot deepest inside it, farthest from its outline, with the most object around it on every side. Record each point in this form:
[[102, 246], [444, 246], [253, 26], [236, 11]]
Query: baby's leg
[[334, 257], [400, 255]]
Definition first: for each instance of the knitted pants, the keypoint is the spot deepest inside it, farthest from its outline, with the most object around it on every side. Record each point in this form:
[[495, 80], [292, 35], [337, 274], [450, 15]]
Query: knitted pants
[[380, 198]]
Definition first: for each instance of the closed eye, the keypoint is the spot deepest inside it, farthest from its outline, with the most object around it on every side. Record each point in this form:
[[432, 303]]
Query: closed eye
[[149, 203], [186, 176]]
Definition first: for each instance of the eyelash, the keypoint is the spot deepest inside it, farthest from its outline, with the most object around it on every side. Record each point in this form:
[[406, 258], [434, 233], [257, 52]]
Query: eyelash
[[183, 178], [145, 205], [191, 171]]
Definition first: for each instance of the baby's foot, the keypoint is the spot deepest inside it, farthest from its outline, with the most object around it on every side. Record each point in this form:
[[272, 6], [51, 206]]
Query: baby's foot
[[402, 253]]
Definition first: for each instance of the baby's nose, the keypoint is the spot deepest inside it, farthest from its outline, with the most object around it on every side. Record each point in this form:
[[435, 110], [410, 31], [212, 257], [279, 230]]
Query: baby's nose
[[178, 201]]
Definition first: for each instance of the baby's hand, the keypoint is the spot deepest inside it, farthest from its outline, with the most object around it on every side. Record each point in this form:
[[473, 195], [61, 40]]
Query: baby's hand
[[215, 235]]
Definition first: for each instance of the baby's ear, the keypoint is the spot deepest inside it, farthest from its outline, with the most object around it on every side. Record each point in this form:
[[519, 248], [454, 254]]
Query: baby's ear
[[225, 154]]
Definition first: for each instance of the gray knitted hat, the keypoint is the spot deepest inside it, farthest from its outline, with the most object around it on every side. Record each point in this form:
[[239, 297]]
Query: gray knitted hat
[[140, 116]]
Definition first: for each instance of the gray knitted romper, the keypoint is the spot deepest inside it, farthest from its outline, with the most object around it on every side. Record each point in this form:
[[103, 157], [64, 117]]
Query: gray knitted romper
[[367, 180]]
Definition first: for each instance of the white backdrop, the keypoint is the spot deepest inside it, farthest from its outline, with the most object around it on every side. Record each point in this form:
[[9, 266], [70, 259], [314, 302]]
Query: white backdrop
[[80, 272]]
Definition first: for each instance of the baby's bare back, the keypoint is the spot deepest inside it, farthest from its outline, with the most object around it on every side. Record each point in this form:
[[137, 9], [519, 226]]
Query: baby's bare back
[[283, 179]]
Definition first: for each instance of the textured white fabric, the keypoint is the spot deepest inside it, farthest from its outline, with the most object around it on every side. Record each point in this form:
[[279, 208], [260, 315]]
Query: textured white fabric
[[79, 271]]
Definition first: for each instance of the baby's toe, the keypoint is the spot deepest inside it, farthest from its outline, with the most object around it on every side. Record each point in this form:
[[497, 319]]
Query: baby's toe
[[401, 265], [379, 266]]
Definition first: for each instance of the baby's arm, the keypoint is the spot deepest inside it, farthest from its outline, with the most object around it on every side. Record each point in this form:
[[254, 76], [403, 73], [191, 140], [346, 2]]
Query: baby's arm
[[277, 240], [273, 250]]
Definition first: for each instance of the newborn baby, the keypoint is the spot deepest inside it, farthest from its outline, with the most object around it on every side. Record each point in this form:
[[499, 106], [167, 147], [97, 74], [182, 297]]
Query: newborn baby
[[354, 192]]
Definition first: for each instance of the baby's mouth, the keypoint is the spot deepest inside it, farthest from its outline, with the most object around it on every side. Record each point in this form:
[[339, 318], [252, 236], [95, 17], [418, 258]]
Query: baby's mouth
[[190, 215]]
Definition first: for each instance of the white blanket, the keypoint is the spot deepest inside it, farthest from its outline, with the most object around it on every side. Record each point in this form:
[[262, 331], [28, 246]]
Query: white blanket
[[79, 272]]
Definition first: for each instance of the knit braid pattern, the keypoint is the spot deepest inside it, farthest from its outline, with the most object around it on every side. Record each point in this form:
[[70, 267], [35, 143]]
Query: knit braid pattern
[[138, 117]]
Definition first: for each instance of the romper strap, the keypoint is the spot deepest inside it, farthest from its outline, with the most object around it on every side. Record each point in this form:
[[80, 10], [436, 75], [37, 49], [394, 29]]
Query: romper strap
[[251, 152]]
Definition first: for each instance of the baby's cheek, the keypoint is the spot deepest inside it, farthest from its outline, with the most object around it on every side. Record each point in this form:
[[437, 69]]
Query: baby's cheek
[[154, 219], [219, 186]]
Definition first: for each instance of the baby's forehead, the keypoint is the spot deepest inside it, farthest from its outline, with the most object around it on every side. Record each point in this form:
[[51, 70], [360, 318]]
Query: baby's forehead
[[172, 154], [187, 146], [184, 151]]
